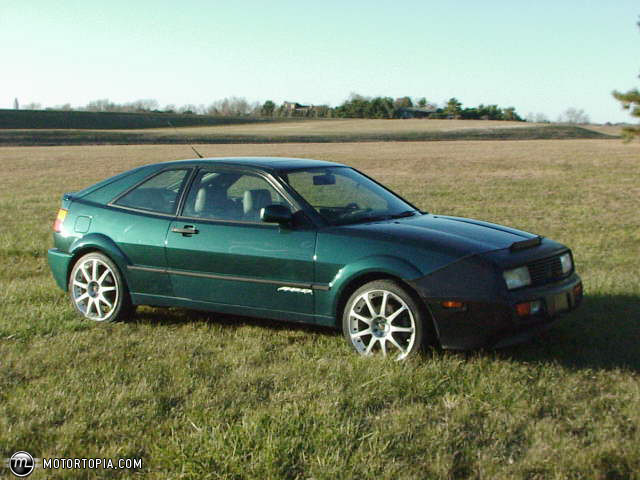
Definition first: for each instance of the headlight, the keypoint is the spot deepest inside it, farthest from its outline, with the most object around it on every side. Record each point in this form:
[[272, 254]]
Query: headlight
[[516, 278], [566, 262]]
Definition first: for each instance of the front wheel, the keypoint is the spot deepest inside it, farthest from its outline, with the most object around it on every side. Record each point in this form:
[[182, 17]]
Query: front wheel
[[97, 289], [381, 317]]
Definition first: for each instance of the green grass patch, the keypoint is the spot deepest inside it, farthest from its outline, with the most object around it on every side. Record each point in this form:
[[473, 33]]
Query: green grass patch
[[200, 395], [43, 119]]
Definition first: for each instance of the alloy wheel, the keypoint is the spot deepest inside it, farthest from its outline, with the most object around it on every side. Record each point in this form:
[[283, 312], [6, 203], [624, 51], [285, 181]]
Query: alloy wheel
[[380, 321], [94, 289]]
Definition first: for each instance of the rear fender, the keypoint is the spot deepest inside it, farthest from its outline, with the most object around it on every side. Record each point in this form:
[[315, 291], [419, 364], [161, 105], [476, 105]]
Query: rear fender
[[102, 243]]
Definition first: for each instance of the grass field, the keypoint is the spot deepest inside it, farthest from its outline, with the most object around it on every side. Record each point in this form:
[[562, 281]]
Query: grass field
[[199, 395], [308, 131]]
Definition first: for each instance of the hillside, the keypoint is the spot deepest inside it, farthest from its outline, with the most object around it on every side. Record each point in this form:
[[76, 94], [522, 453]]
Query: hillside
[[306, 131]]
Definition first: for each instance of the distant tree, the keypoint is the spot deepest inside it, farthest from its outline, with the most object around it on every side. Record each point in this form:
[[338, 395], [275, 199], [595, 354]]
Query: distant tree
[[490, 112], [230, 107], [422, 102], [268, 108], [470, 113], [510, 114], [630, 100], [574, 116], [143, 105], [380, 107], [187, 109], [16, 104], [356, 106], [32, 106], [403, 102], [322, 111], [537, 117], [453, 107]]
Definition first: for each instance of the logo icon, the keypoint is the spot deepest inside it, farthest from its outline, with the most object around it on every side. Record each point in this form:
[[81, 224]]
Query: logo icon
[[21, 464]]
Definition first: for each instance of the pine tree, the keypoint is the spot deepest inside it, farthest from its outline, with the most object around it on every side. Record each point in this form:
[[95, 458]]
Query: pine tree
[[630, 101]]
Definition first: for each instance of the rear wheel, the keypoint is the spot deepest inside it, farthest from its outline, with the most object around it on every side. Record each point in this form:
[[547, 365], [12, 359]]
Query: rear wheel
[[97, 290], [382, 317]]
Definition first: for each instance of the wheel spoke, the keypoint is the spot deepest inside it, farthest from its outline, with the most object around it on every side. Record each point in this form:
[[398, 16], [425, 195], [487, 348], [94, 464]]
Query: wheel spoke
[[107, 289], [372, 312], [98, 309], [84, 273], [103, 276], [89, 306], [402, 329], [383, 346], [359, 334], [395, 314], [102, 299], [393, 340], [82, 297], [370, 346], [76, 283], [94, 272], [361, 318], [383, 305]]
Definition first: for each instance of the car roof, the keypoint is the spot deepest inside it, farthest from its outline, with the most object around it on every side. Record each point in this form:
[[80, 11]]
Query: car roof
[[264, 163]]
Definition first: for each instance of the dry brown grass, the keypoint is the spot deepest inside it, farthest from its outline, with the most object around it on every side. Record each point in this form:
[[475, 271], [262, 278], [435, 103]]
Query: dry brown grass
[[342, 126], [200, 395]]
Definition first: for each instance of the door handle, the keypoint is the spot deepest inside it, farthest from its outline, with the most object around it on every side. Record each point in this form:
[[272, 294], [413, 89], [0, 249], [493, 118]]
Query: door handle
[[187, 230]]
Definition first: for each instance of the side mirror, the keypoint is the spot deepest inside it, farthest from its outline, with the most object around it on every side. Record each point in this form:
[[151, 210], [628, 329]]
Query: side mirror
[[276, 214]]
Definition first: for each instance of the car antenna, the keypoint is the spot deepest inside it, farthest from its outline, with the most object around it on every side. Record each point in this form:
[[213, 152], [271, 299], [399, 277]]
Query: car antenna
[[192, 147]]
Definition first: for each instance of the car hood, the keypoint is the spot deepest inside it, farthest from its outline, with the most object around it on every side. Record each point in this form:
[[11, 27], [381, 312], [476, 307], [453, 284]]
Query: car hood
[[454, 235]]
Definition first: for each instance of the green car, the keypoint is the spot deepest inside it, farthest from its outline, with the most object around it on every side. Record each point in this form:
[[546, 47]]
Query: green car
[[305, 241]]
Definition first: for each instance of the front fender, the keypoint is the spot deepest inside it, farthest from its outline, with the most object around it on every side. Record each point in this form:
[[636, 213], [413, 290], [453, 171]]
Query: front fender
[[379, 264]]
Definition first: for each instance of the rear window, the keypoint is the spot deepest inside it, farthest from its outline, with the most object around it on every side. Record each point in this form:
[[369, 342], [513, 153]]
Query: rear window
[[158, 194]]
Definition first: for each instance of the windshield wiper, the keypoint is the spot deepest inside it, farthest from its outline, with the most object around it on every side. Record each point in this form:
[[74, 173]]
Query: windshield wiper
[[408, 213], [379, 218]]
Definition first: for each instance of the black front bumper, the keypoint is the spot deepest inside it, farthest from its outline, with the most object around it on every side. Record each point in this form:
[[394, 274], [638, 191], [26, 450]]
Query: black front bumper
[[492, 322]]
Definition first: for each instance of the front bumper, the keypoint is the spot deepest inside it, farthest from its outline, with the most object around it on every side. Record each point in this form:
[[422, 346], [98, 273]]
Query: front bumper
[[59, 264], [494, 323]]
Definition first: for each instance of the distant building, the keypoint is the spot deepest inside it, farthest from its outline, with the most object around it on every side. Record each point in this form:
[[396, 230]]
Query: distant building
[[294, 109], [416, 112]]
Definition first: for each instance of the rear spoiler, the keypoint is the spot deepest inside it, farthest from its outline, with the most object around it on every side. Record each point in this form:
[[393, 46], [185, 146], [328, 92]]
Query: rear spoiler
[[523, 244]]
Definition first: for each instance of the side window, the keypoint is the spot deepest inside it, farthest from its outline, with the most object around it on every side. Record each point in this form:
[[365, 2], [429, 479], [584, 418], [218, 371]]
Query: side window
[[158, 194], [229, 196]]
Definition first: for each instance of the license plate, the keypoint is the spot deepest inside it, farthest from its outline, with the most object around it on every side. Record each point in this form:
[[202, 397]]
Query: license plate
[[560, 303]]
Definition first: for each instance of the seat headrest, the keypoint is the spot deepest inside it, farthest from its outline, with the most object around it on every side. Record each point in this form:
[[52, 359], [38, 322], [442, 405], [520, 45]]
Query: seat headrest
[[254, 200]]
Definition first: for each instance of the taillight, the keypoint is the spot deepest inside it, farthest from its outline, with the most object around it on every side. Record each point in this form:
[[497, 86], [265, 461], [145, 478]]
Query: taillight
[[57, 225]]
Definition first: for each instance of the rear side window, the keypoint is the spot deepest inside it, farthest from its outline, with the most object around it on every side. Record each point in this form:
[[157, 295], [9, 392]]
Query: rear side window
[[158, 194]]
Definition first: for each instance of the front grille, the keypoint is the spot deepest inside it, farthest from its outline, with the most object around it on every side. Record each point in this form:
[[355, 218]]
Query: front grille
[[545, 270]]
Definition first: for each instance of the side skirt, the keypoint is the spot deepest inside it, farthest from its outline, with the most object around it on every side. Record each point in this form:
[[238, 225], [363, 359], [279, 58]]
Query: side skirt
[[164, 301]]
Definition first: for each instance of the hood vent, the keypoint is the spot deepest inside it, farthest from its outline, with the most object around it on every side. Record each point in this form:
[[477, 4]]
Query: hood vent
[[523, 244]]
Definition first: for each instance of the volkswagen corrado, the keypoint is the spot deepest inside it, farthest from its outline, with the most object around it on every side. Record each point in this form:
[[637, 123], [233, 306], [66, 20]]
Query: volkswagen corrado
[[307, 241]]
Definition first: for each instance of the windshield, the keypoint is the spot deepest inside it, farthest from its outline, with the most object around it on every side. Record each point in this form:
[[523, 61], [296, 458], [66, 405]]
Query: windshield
[[342, 195]]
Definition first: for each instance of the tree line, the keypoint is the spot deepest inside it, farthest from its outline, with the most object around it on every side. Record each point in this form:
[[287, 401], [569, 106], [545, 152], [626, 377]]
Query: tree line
[[355, 106]]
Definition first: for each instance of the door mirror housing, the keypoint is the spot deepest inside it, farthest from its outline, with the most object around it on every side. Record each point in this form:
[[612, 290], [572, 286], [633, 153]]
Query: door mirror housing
[[276, 214]]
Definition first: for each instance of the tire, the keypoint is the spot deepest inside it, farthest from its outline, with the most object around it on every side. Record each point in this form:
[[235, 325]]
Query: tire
[[399, 331], [97, 290]]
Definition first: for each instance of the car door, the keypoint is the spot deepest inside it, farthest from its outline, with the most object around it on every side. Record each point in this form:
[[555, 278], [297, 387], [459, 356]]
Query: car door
[[219, 251], [138, 222]]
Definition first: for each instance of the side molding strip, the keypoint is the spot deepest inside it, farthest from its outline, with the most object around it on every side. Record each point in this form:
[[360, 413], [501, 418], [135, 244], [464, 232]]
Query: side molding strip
[[314, 286]]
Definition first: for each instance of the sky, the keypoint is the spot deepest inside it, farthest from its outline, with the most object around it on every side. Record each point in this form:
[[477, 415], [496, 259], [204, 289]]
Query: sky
[[540, 57]]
